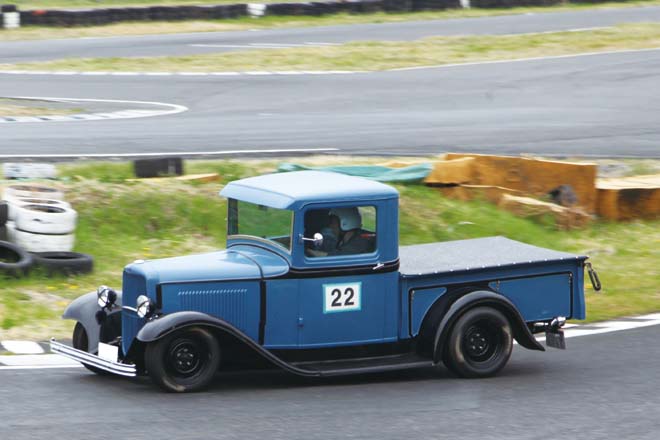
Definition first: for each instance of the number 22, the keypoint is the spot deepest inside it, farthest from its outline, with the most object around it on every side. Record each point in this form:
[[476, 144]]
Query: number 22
[[337, 296]]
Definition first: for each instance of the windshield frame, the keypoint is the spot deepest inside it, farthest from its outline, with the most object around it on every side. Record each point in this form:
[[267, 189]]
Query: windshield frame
[[248, 237]]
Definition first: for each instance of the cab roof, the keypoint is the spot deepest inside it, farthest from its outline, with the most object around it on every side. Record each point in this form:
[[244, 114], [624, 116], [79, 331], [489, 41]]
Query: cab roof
[[295, 189]]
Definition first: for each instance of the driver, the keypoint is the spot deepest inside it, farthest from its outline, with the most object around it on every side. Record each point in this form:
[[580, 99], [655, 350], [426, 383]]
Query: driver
[[347, 229]]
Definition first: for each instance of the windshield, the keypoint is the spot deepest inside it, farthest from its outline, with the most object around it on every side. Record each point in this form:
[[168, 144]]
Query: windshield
[[271, 224]]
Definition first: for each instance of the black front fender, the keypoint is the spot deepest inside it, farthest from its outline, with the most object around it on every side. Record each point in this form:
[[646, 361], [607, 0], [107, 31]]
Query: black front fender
[[83, 310], [166, 324], [521, 332]]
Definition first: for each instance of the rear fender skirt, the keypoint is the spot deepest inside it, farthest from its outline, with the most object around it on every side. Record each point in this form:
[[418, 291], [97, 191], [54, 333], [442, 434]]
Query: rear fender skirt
[[521, 332], [83, 310], [164, 325]]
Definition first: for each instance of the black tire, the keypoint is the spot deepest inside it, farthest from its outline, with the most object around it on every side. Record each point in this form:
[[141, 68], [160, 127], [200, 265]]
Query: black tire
[[479, 343], [158, 167], [183, 361], [80, 342], [4, 212], [66, 263], [14, 260]]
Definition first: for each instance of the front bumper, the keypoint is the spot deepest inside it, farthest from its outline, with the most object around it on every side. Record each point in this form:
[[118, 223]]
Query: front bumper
[[127, 370]]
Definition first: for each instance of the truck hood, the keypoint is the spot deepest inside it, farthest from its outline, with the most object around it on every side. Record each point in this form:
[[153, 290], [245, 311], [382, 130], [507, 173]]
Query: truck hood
[[237, 263]]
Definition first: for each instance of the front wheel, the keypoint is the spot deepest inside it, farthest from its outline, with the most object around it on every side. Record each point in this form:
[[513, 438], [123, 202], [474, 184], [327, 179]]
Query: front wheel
[[81, 342], [479, 344], [183, 361]]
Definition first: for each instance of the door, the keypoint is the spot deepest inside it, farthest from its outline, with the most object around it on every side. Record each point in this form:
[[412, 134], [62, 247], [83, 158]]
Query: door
[[348, 310]]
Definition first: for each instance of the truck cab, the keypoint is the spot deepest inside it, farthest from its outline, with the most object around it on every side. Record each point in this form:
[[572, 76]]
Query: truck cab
[[313, 281]]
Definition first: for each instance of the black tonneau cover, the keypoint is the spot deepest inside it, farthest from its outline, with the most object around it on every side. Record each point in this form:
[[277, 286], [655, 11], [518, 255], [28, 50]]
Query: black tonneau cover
[[477, 253]]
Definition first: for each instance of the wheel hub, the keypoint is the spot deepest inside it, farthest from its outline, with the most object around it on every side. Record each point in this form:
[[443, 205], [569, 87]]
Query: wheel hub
[[478, 343], [184, 357]]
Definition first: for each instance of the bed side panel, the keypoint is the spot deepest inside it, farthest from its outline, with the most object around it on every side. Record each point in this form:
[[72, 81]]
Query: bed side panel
[[539, 298]]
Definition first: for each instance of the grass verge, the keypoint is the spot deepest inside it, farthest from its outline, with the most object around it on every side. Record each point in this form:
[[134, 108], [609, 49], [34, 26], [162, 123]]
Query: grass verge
[[120, 222], [381, 55], [245, 23], [10, 107]]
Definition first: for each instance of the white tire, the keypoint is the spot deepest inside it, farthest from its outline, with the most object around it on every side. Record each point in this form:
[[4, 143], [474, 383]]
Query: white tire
[[26, 191], [45, 219], [12, 203], [11, 232], [42, 242]]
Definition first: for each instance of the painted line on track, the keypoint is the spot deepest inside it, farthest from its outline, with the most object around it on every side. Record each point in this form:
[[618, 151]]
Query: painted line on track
[[165, 109], [36, 362], [167, 153]]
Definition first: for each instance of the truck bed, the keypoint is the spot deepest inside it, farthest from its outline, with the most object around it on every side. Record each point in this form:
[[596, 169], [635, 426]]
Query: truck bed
[[478, 253]]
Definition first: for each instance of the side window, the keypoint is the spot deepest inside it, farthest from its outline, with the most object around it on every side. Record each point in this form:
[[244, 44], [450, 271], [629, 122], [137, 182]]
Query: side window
[[345, 230]]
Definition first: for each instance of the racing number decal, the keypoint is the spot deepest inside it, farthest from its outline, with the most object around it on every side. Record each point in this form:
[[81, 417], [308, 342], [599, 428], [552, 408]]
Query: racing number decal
[[342, 297]]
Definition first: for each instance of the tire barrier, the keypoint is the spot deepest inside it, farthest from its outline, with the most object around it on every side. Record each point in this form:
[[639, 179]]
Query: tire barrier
[[4, 212], [45, 219], [102, 16], [28, 191], [33, 242], [515, 3], [29, 171], [11, 207], [14, 260], [161, 167], [64, 263], [35, 219]]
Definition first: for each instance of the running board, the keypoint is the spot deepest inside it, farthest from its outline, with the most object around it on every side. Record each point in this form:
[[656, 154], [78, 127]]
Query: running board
[[363, 365]]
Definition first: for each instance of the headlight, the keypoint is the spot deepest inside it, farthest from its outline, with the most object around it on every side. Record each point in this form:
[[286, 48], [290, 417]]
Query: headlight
[[106, 296], [143, 306]]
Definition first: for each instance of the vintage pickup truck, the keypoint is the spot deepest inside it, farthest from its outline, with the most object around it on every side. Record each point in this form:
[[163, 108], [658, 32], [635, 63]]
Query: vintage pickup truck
[[313, 281]]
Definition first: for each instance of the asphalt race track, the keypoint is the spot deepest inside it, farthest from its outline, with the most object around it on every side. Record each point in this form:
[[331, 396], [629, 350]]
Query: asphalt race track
[[599, 105], [183, 44], [603, 387]]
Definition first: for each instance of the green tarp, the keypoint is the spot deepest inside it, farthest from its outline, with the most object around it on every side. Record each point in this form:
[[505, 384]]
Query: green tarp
[[413, 173]]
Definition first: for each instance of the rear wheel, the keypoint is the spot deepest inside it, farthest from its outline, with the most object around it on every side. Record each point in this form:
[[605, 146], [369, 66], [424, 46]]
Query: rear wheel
[[479, 344], [183, 361], [81, 342]]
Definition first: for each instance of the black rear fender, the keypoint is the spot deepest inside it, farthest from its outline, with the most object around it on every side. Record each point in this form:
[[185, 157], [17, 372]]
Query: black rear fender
[[521, 332]]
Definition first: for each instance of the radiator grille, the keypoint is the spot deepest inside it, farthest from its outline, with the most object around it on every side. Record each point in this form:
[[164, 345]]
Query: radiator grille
[[133, 286]]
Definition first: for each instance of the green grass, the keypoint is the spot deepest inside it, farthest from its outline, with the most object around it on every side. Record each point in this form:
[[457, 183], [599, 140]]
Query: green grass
[[244, 23], [20, 107], [380, 55], [120, 222]]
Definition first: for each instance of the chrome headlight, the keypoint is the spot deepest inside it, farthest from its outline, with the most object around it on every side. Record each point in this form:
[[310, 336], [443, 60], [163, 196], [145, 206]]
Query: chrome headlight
[[144, 306], [106, 296]]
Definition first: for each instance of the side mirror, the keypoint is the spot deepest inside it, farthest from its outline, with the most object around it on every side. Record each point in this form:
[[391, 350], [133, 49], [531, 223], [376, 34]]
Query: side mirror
[[317, 241]]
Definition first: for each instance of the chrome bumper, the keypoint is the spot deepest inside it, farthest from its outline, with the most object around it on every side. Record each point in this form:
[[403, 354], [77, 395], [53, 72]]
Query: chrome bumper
[[92, 360]]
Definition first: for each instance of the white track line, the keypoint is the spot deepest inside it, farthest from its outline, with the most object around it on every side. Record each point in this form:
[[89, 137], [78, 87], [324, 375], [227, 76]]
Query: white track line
[[50, 361], [166, 109], [166, 153]]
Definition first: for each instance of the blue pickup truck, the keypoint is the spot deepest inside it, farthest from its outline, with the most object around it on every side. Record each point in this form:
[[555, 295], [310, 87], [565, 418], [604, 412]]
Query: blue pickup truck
[[313, 281]]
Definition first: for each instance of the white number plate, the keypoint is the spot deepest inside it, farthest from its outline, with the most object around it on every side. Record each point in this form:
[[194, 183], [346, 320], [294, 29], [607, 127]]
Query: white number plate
[[342, 297], [108, 352]]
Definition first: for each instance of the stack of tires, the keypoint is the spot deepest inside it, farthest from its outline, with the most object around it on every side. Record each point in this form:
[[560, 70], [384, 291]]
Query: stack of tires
[[40, 222]]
